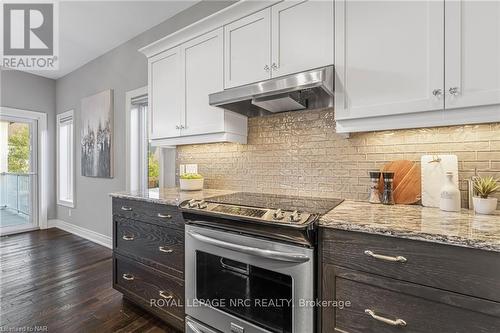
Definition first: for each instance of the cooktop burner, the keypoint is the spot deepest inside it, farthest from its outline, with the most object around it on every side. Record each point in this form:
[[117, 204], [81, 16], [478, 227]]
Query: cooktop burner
[[312, 205], [265, 208]]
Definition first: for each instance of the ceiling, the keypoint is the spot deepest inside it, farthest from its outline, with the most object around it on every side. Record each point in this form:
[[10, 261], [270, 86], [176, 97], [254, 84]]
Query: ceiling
[[88, 29]]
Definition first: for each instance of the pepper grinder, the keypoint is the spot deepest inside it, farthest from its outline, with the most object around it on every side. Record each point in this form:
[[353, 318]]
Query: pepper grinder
[[387, 195], [374, 191]]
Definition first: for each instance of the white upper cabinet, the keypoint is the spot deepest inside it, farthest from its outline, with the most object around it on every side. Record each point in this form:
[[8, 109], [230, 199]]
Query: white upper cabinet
[[180, 80], [248, 49], [410, 64], [203, 66], [165, 94], [289, 37], [388, 57], [302, 36], [472, 53]]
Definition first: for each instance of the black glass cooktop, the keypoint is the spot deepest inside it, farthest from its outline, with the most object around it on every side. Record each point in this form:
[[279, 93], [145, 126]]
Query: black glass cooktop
[[312, 205]]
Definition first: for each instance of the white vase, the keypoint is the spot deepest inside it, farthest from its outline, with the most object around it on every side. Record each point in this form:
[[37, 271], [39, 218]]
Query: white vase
[[485, 206], [450, 195]]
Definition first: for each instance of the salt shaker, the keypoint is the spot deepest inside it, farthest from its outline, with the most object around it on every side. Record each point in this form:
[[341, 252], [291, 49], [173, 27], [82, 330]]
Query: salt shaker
[[374, 190]]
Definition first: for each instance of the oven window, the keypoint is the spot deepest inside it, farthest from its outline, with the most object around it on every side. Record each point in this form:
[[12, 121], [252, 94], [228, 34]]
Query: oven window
[[251, 293]]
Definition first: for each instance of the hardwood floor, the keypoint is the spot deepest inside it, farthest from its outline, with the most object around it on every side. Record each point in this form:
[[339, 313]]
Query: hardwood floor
[[60, 281]]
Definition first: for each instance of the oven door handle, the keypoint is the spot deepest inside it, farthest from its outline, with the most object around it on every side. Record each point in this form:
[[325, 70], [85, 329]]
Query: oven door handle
[[269, 254]]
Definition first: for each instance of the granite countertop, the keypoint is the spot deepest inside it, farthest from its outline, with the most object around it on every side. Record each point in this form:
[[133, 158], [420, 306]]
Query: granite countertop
[[169, 196], [416, 222]]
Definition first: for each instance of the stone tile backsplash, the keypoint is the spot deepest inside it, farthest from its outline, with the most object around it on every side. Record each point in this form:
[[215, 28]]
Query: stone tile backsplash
[[299, 153]]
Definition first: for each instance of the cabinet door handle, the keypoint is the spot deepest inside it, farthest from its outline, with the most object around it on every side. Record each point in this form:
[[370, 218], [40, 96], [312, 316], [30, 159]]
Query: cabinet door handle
[[128, 277], [167, 216], [163, 294], [128, 238], [266, 68], [437, 92], [164, 249], [454, 91], [274, 66], [397, 322], [177, 127], [386, 258], [127, 209]]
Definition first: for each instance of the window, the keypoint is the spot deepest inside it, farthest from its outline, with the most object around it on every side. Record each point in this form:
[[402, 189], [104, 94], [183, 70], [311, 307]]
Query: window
[[65, 159], [144, 159]]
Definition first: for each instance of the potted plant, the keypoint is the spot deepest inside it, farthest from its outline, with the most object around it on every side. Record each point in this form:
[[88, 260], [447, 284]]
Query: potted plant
[[483, 188], [191, 182]]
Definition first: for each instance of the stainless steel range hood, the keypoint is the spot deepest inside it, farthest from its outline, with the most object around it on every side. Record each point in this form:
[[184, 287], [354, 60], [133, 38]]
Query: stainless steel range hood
[[306, 90]]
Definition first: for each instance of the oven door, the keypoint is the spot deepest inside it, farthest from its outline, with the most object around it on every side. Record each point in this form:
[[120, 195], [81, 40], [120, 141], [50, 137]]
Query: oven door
[[242, 284]]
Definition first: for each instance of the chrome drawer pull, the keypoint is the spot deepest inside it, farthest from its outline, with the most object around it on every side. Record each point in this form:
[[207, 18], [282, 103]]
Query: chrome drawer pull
[[164, 295], [386, 258], [128, 277], [397, 322], [128, 238], [127, 209], [164, 249], [164, 216]]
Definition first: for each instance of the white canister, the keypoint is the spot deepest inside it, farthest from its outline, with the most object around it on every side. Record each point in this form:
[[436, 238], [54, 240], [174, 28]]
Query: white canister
[[450, 195]]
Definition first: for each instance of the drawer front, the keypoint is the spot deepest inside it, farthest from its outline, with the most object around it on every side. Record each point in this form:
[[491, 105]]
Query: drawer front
[[420, 262], [162, 248], [163, 215], [160, 292], [379, 305]]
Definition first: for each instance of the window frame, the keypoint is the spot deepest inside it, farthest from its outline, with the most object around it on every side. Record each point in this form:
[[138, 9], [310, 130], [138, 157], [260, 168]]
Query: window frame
[[61, 202]]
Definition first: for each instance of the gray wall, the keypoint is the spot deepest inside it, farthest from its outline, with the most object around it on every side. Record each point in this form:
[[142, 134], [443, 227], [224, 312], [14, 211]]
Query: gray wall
[[26, 91], [122, 69]]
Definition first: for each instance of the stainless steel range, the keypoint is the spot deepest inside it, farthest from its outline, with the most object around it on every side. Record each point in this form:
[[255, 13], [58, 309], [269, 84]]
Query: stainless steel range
[[251, 262]]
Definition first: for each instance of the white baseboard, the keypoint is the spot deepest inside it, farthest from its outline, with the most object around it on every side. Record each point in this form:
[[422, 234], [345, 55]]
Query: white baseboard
[[82, 232]]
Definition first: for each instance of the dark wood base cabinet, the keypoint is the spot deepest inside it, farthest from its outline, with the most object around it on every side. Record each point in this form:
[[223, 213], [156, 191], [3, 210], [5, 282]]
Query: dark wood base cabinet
[[407, 286], [148, 258]]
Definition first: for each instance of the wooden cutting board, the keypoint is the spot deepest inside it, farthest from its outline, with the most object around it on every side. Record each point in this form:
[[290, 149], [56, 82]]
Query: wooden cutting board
[[407, 181]]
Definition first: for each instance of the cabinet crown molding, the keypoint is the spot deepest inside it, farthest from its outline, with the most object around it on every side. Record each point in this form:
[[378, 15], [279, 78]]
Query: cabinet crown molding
[[216, 20]]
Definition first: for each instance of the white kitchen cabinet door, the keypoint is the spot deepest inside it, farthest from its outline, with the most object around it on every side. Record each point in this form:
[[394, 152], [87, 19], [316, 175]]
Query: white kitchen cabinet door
[[388, 57], [472, 59], [247, 49], [203, 63], [166, 94], [302, 36]]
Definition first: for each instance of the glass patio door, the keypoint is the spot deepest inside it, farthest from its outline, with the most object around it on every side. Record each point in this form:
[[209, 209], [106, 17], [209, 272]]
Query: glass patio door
[[18, 175]]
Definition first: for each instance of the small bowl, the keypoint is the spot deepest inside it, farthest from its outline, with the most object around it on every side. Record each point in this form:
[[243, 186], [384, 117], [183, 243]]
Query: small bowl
[[191, 184]]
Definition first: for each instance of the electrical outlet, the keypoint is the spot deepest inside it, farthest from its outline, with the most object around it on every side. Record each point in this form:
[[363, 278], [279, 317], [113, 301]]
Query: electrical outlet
[[182, 169], [191, 168]]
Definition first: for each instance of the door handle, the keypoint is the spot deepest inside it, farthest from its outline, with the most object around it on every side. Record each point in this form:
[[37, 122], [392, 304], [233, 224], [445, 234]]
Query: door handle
[[128, 277], [128, 238], [269, 254], [127, 209], [163, 294], [384, 257], [454, 91], [164, 249], [396, 322], [164, 216]]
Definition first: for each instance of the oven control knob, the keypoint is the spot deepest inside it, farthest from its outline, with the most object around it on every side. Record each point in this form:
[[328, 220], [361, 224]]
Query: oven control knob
[[294, 217], [202, 204], [278, 215], [192, 203]]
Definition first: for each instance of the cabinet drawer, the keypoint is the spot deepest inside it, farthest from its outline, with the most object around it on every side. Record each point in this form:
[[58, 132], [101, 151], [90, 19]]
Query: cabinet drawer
[[377, 303], [158, 292], [164, 215], [467, 271], [162, 248]]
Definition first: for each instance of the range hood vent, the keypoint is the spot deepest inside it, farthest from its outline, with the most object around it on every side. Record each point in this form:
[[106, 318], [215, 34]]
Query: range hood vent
[[307, 90]]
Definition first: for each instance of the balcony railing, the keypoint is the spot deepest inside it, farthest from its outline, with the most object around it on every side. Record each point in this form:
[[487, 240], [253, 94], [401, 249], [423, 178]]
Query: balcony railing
[[15, 191]]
